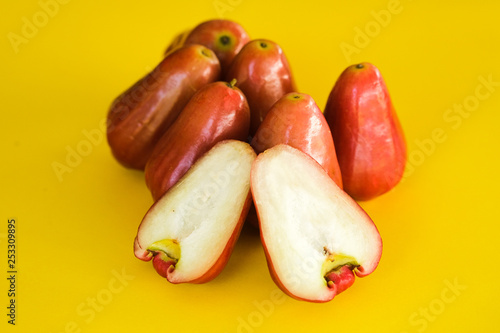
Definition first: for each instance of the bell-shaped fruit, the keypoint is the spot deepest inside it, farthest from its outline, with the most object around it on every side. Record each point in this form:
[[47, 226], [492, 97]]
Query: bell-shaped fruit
[[264, 75], [368, 137], [226, 38], [296, 120], [218, 111], [315, 236], [139, 117], [191, 230]]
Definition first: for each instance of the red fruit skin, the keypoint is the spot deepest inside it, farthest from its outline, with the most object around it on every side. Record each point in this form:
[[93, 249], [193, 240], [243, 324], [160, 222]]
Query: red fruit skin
[[217, 112], [368, 137], [296, 120], [226, 38], [264, 75], [138, 118]]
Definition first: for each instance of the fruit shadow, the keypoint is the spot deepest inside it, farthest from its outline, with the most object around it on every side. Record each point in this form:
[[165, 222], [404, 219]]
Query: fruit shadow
[[246, 259]]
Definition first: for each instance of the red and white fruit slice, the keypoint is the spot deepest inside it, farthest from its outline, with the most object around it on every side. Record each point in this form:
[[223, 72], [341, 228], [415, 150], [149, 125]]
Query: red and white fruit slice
[[191, 230], [315, 236]]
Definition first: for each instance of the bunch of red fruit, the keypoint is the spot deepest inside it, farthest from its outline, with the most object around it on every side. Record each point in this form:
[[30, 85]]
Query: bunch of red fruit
[[252, 148]]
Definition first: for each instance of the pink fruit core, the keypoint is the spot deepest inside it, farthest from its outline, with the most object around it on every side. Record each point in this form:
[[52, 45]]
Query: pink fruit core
[[163, 264], [341, 278]]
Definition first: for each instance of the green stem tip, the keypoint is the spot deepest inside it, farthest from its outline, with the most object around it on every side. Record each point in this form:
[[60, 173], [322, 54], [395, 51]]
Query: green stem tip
[[232, 83]]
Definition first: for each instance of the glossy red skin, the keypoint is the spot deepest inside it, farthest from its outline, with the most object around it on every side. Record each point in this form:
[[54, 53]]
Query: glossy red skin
[[264, 75], [368, 137], [296, 120], [216, 112], [226, 38], [139, 117], [164, 267]]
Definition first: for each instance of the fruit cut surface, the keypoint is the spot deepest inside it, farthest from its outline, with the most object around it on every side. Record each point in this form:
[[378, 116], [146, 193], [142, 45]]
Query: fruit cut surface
[[306, 222], [201, 214]]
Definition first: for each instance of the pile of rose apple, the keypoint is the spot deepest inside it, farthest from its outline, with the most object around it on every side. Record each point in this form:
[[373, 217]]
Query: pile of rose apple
[[224, 137]]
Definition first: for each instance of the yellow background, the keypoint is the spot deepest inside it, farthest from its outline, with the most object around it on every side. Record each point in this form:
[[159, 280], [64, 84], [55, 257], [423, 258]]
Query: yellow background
[[75, 234]]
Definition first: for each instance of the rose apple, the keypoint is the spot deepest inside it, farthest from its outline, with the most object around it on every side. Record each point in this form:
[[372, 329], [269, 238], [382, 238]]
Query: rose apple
[[190, 232], [139, 117], [226, 38], [315, 236], [296, 120], [217, 112], [368, 137], [264, 75]]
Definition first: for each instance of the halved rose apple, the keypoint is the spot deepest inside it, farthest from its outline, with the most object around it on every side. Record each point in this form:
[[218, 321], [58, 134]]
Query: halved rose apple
[[191, 230], [315, 236]]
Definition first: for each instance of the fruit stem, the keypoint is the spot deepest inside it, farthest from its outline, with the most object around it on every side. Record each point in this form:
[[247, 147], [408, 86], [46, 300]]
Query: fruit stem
[[232, 83]]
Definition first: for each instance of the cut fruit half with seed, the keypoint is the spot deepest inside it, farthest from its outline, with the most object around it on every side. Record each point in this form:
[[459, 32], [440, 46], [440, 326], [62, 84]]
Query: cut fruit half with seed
[[315, 236], [191, 230]]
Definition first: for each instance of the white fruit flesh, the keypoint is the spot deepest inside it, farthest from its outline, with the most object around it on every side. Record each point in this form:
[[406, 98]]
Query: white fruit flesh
[[305, 220], [201, 212]]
